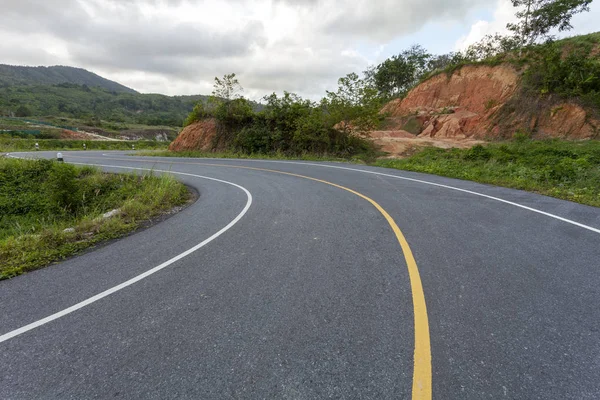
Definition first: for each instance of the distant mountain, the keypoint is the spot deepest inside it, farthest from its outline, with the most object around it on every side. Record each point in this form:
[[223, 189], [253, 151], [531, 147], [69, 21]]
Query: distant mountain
[[93, 103], [11, 75]]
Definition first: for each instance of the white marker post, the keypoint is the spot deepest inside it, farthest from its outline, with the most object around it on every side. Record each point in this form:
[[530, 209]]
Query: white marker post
[[37, 146], [59, 157], [84, 146], [133, 147]]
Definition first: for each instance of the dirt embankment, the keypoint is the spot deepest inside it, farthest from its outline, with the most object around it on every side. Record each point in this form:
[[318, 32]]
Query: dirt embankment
[[199, 136], [477, 103], [460, 109]]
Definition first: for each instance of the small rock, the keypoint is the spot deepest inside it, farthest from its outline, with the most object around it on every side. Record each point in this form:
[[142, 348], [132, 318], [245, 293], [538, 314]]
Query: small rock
[[69, 230], [110, 214]]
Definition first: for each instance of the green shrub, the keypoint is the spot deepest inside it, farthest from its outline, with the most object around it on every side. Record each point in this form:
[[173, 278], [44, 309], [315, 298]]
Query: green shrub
[[253, 139], [477, 152], [62, 187], [554, 68], [198, 113]]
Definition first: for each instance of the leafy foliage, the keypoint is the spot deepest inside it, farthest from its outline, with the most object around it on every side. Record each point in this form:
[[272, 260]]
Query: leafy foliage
[[198, 113], [23, 111], [354, 106], [574, 74], [397, 75], [489, 47], [292, 125], [537, 18]]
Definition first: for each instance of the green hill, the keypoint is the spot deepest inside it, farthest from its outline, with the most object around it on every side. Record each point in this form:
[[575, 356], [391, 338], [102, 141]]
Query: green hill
[[91, 103], [11, 75]]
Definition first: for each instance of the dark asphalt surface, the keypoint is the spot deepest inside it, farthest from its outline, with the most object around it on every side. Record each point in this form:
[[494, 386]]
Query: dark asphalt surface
[[308, 295]]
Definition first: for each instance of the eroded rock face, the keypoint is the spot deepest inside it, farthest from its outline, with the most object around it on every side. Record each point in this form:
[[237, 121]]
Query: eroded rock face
[[569, 121], [474, 88], [472, 104], [459, 125], [197, 136]]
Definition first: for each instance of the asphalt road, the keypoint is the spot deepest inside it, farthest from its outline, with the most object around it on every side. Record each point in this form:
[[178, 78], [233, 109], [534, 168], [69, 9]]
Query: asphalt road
[[306, 293]]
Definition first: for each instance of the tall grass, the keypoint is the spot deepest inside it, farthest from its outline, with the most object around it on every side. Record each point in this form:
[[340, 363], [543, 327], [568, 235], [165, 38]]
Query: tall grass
[[8, 144], [563, 169], [40, 199]]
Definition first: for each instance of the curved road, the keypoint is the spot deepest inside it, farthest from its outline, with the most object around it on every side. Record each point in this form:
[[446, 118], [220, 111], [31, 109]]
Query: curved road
[[297, 280]]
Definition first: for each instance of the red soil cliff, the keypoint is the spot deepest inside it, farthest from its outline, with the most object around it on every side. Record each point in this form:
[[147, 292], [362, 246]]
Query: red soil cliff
[[479, 102], [197, 136]]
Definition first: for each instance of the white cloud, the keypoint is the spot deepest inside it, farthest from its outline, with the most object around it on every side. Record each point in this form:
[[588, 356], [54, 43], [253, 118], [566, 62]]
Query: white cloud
[[179, 46], [503, 14]]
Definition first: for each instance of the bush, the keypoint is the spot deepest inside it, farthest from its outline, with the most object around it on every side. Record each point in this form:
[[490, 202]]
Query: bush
[[574, 74], [253, 139], [62, 187], [197, 114]]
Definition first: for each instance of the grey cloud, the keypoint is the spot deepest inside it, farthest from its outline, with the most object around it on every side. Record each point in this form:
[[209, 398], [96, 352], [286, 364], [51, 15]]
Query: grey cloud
[[129, 42], [122, 44], [382, 20], [116, 38]]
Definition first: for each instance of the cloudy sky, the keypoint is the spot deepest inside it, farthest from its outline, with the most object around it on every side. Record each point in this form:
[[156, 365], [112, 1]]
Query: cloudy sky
[[302, 46]]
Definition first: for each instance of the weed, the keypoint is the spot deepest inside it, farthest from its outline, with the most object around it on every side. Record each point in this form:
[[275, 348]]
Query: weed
[[8, 144], [40, 199]]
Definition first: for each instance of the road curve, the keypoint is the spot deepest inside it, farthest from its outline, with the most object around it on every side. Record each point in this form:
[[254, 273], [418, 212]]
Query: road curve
[[291, 280]]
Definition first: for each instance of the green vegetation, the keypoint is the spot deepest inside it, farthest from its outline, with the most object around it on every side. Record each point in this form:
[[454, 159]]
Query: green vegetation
[[290, 125], [397, 75], [11, 75], [95, 104], [52, 128], [562, 169], [360, 158], [537, 18], [9, 144], [40, 199], [565, 68]]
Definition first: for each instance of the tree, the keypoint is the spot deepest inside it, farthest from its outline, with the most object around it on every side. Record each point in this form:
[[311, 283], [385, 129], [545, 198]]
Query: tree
[[227, 88], [398, 74], [354, 106], [227, 104], [490, 46], [538, 17]]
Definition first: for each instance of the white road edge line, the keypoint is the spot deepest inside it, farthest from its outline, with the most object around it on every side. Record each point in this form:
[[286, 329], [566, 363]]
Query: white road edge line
[[535, 210], [146, 274]]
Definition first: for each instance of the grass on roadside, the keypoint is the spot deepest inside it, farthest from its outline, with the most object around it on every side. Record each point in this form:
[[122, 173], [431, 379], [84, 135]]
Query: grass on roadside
[[563, 169], [16, 144], [271, 156], [40, 199]]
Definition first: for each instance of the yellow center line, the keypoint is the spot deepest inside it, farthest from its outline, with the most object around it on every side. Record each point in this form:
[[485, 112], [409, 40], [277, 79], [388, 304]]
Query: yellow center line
[[421, 389]]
